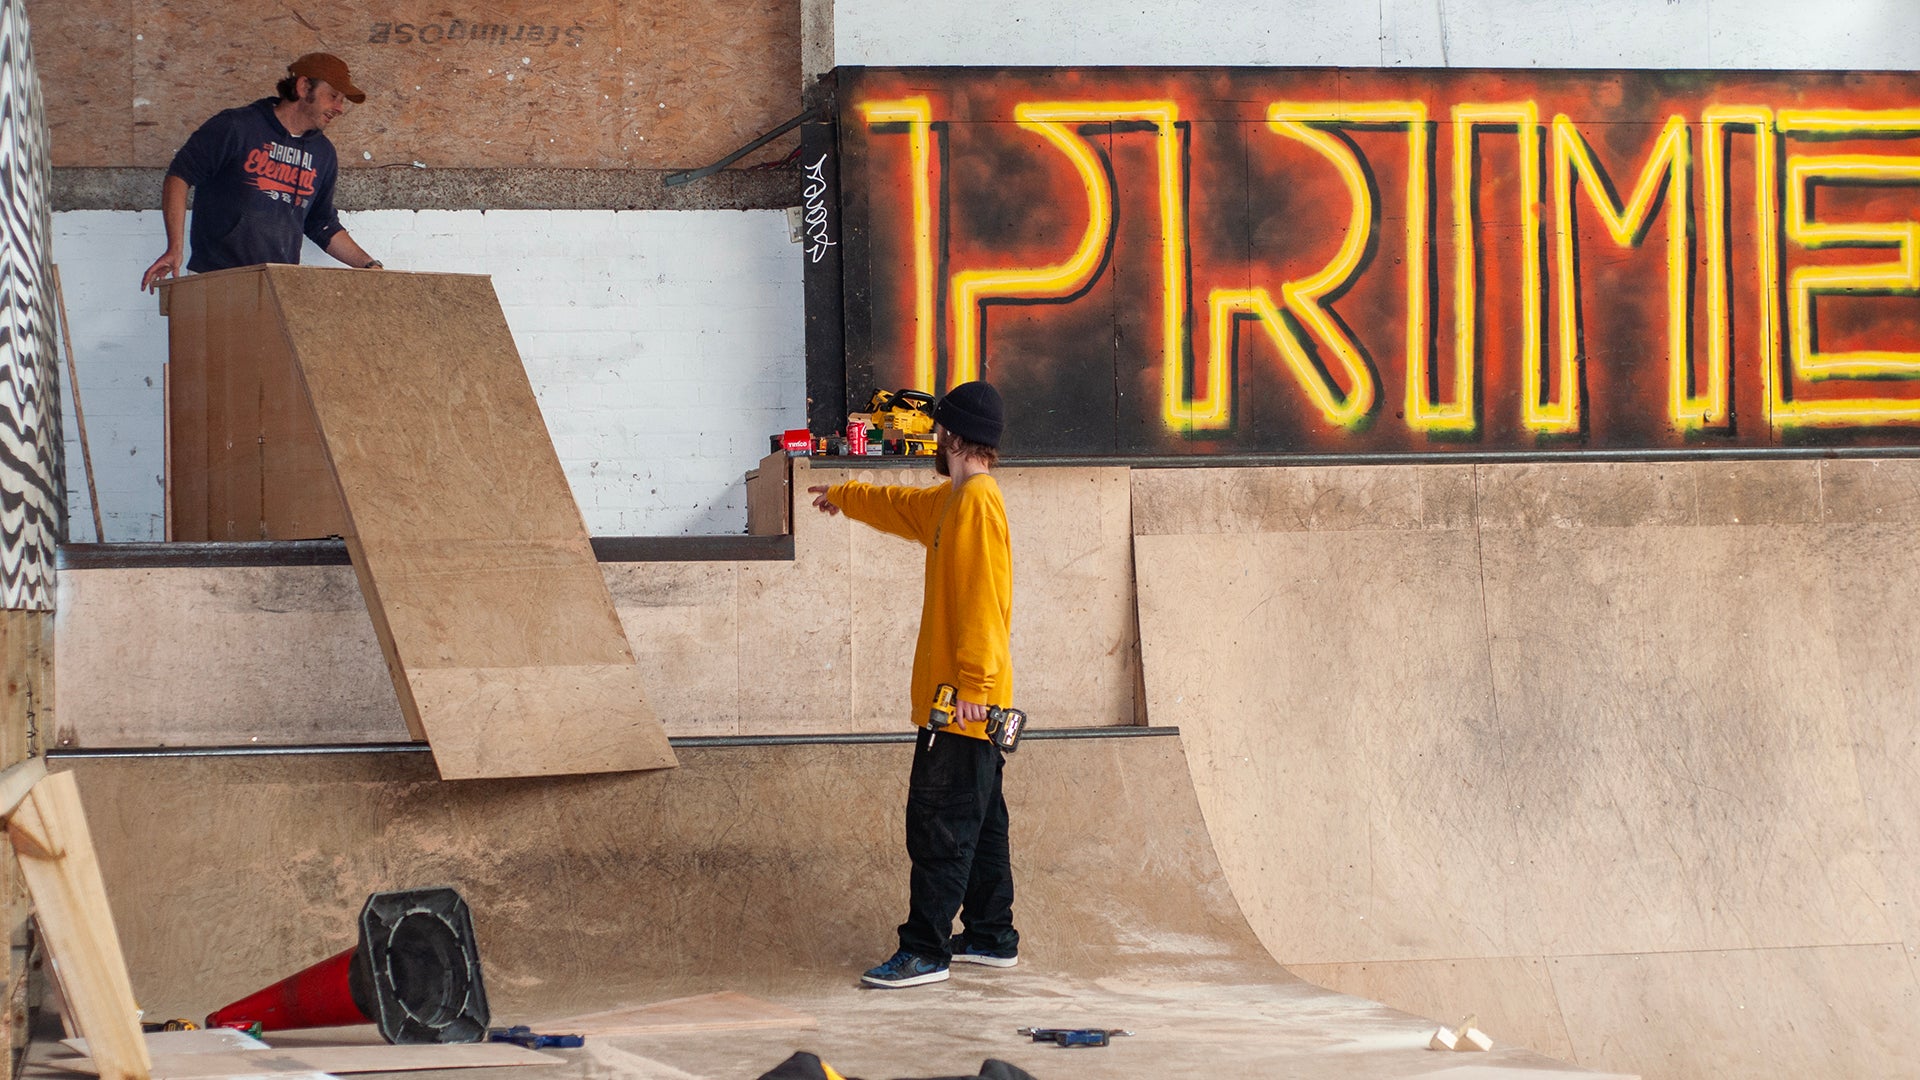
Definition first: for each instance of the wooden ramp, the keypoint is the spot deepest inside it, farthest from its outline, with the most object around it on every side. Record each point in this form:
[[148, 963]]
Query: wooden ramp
[[505, 650], [772, 871]]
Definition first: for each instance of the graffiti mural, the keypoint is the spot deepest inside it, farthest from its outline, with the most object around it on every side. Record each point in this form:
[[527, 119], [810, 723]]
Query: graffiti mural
[[1156, 261]]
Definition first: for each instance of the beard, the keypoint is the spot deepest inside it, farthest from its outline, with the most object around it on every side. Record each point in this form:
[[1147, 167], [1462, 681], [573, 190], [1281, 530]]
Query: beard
[[940, 464]]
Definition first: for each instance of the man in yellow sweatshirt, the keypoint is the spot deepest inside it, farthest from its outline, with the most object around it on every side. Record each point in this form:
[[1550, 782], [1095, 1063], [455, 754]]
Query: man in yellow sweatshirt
[[956, 816]]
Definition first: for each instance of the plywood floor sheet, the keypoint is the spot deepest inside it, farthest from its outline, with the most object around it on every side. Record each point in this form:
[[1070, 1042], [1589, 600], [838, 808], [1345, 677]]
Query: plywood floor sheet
[[502, 639]]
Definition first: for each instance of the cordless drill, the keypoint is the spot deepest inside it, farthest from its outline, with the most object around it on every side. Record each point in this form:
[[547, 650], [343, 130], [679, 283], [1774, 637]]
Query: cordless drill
[[1004, 726]]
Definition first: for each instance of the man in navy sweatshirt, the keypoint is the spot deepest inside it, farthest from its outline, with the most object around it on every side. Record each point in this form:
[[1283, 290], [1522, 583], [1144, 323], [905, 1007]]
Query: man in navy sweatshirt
[[263, 176]]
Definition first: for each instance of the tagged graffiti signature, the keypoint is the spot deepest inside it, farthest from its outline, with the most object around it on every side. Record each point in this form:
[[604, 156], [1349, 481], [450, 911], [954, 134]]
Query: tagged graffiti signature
[[402, 33], [819, 234]]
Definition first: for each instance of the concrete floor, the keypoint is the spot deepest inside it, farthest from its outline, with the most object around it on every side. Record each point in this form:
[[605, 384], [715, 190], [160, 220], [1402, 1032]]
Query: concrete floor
[[1278, 1029], [774, 871]]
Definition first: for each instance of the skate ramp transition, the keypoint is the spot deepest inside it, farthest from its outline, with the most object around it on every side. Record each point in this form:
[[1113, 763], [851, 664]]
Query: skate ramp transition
[[773, 870], [1620, 757], [1624, 757]]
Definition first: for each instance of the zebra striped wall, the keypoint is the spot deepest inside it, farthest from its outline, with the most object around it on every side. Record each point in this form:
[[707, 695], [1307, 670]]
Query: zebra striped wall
[[32, 505]]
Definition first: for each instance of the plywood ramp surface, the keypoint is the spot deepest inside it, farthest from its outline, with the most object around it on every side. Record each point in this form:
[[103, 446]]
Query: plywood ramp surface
[[1619, 757], [775, 871], [498, 628]]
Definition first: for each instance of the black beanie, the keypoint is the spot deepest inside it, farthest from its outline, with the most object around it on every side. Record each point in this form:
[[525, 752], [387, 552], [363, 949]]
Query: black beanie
[[973, 412]]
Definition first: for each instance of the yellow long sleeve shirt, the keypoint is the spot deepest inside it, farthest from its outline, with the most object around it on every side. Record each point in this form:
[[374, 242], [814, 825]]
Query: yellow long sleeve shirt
[[966, 611]]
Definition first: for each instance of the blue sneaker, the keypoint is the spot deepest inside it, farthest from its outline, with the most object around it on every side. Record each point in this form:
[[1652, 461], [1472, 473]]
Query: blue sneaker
[[904, 969], [967, 954]]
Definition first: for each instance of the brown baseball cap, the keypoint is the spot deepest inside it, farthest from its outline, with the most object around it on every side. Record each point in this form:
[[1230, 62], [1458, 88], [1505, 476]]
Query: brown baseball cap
[[329, 69]]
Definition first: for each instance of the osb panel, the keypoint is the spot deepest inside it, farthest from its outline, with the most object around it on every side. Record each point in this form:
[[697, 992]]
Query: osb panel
[[1512, 995], [1776, 1014], [600, 84], [471, 553], [83, 50]]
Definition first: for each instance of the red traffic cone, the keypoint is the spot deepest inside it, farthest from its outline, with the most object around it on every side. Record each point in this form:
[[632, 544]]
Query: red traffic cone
[[415, 973]]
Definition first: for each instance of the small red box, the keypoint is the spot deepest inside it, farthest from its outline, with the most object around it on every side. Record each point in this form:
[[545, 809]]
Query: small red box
[[797, 441]]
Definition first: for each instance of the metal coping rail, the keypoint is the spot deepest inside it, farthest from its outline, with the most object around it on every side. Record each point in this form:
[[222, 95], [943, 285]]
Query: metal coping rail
[[683, 742]]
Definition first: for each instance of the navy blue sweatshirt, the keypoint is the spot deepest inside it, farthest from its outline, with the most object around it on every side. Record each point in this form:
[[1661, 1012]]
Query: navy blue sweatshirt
[[257, 189]]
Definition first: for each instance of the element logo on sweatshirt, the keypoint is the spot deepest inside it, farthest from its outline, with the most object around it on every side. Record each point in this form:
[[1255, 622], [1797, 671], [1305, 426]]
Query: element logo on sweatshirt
[[283, 173]]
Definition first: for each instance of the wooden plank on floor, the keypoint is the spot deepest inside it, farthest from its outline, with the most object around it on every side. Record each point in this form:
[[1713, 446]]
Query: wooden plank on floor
[[728, 1010], [199, 1041], [303, 1060], [506, 651]]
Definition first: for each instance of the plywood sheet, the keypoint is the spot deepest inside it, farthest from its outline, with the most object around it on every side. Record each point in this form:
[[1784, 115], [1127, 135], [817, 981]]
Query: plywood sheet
[[1834, 1011], [683, 621], [298, 659], [760, 647], [244, 457], [1177, 502], [770, 497], [605, 84], [494, 619], [597, 890], [1611, 712], [795, 652], [59, 863], [728, 1010], [186, 381], [307, 1060], [1672, 725], [83, 52], [1512, 995], [204, 1041], [1343, 673], [1515, 1073]]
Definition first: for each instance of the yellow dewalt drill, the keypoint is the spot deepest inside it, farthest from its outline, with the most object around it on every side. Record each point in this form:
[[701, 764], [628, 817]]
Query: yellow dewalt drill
[[1004, 726]]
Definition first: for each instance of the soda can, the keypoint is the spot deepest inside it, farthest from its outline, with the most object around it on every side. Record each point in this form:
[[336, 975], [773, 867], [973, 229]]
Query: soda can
[[856, 438]]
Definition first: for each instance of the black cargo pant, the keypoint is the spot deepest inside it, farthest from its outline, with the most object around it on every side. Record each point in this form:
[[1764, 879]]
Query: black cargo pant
[[957, 839]]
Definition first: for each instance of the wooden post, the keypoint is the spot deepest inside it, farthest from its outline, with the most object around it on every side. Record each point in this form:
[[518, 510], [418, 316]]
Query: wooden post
[[49, 835], [26, 708], [30, 466]]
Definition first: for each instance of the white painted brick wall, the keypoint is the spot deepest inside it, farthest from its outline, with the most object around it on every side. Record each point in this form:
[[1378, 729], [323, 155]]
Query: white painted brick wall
[[1725, 34], [664, 346]]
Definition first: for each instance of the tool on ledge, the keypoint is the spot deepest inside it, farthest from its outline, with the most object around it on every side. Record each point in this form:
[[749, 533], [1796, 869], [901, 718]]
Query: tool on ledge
[[1073, 1036], [522, 1035]]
